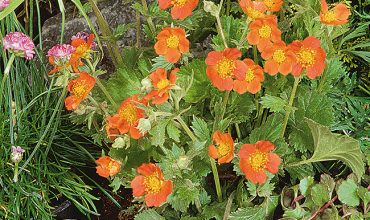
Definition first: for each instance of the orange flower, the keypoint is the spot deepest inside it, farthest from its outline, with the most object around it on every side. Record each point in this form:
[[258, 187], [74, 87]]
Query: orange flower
[[107, 166], [222, 67], [162, 85], [278, 59], [251, 80], [254, 9], [263, 32], [127, 118], [224, 152], [335, 16], [309, 56], [256, 158], [83, 49], [151, 184], [171, 44], [180, 8], [79, 88], [273, 5]]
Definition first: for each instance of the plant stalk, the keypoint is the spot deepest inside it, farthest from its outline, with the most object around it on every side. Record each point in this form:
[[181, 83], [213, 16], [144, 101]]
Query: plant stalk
[[6, 74], [186, 128], [149, 19], [216, 179], [290, 104]]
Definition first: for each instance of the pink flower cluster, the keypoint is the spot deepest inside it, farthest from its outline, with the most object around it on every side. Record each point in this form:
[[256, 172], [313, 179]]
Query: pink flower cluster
[[61, 51], [20, 44], [4, 4]]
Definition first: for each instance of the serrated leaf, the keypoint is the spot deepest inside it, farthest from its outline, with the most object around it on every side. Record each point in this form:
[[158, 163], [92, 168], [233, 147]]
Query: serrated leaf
[[274, 103], [328, 182], [270, 130], [185, 193], [158, 133], [173, 132], [329, 146], [364, 194], [200, 129], [149, 214], [319, 194], [347, 193], [305, 184], [261, 212]]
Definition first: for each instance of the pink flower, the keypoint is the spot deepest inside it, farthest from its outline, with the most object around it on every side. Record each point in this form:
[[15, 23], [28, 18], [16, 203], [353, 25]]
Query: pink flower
[[4, 4], [83, 36], [20, 44], [61, 51]]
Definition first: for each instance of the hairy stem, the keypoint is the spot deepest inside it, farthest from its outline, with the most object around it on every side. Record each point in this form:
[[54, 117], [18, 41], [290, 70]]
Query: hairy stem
[[149, 19], [186, 128], [290, 105], [216, 179]]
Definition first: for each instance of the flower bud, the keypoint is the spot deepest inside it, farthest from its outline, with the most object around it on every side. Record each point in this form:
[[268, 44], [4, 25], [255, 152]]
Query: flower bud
[[183, 162], [144, 125], [121, 142], [211, 7], [17, 154], [146, 85]]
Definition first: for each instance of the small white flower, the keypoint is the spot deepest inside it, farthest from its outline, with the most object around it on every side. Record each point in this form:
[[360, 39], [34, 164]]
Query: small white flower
[[17, 154]]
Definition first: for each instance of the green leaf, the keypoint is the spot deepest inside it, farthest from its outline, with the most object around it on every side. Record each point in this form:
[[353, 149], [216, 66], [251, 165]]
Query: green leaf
[[241, 106], [200, 129], [232, 30], [173, 132], [261, 212], [274, 103], [199, 89], [320, 194], [185, 193], [333, 72], [270, 130], [329, 146], [149, 214], [347, 193], [158, 133], [364, 194], [305, 184]]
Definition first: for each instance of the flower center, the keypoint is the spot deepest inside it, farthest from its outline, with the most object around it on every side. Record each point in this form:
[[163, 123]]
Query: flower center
[[163, 84], [329, 16], [179, 3], [258, 160], [152, 183], [269, 3], [128, 113], [279, 56], [173, 41], [265, 31], [253, 13], [306, 57], [79, 89], [249, 75], [82, 49], [225, 68], [223, 150]]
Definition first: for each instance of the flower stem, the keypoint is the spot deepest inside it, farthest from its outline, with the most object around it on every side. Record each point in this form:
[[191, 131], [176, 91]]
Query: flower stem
[[329, 41], [255, 57], [216, 179], [290, 104], [6, 73], [223, 110], [106, 93], [149, 19], [186, 128], [15, 177], [221, 31]]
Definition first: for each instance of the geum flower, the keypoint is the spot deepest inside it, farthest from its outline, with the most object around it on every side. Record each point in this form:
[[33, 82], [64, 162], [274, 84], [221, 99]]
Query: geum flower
[[309, 56], [223, 66], [338, 15], [127, 118], [151, 184], [180, 8], [172, 43], [83, 49], [4, 4], [253, 9], [59, 56], [223, 149], [107, 166], [273, 5], [250, 81], [162, 84], [264, 31], [256, 159], [279, 58], [19, 44], [79, 89]]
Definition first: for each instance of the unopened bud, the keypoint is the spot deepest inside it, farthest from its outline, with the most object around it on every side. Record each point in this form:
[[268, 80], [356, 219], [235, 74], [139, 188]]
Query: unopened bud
[[17, 154], [211, 7], [146, 85], [144, 125], [183, 162], [121, 142]]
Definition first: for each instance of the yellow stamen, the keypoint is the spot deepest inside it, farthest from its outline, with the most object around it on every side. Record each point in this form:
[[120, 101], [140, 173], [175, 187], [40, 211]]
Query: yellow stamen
[[249, 75], [258, 160], [279, 56], [223, 150], [179, 3], [79, 88], [253, 13], [128, 113], [163, 84], [269, 3], [152, 183], [306, 57], [265, 31], [329, 16], [173, 41], [225, 68]]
